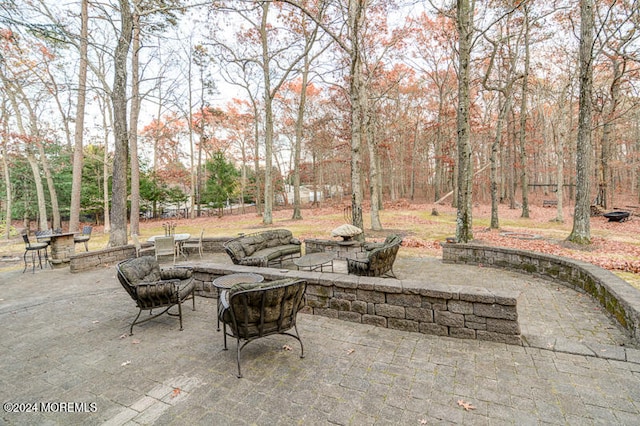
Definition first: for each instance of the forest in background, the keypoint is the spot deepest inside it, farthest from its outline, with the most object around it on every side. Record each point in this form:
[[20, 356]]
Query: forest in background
[[104, 106]]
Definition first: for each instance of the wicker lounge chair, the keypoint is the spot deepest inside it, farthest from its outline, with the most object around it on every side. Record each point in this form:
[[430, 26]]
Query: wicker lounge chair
[[152, 288], [255, 310], [379, 258]]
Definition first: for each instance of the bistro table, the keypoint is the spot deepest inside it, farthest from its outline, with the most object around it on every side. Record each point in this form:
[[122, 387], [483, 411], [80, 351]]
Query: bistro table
[[225, 282], [313, 261], [178, 238]]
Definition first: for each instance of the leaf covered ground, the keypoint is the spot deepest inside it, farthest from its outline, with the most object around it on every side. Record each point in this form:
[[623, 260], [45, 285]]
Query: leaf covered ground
[[615, 245]]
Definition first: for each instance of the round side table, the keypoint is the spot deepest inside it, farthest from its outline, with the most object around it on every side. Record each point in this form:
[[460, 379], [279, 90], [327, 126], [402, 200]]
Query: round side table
[[225, 282]]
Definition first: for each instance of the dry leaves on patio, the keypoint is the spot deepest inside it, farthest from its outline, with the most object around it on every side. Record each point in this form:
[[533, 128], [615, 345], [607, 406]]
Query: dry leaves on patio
[[466, 405]]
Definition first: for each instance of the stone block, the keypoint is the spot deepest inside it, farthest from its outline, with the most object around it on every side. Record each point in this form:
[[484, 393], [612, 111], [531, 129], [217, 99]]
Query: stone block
[[359, 306], [432, 328], [495, 311], [477, 294], [419, 314], [404, 300], [319, 290], [503, 326], [475, 325], [460, 307], [330, 313], [350, 316], [346, 295], [321, 302], [434, 303], [340, 304], [475, 318], [449, 319], [403, 324], [374, 320], [390, 311], [507, 300], [462, 333], [371, 308], [491, 336], [440, 292], [371, 296]]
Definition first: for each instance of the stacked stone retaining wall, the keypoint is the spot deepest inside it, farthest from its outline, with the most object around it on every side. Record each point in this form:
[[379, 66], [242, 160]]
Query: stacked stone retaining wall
[[456, 311], [620, 299], [84, 261], [410, 305]]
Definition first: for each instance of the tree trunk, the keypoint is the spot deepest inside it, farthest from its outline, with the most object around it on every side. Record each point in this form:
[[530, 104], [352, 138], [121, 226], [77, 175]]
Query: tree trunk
[[608, 129], [464, 218], [105, 168], [5, 166], [78, 152], [523, 118], [297, 211], [10, 90], [358, 97], [267, 215], [495, 149], [256, 160], [56, 222], [134, 217], [581, 232], [42, 207], [118, 236], [374, 182]]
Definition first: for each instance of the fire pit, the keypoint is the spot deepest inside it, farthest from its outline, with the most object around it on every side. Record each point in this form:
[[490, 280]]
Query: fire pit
[[617, 216]]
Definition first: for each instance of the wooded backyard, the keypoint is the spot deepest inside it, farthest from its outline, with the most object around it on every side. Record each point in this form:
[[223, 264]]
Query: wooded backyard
[[114, 112]]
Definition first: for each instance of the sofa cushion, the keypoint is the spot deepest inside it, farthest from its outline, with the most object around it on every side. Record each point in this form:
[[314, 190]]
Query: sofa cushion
[[235, 249], [277, 251], [249, 247]]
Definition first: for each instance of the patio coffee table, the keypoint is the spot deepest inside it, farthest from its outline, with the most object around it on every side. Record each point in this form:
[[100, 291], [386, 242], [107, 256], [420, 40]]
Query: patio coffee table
[[313, 261], [225, 282]]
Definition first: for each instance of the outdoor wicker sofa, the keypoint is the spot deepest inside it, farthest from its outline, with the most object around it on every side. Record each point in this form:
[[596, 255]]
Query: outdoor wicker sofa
[[377, 259], [153, 288], [262, 248]]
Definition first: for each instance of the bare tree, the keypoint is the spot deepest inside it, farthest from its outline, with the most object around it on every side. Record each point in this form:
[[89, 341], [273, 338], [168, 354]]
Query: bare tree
[[78, 154], [118, 235], [581, 232], [464, 218]]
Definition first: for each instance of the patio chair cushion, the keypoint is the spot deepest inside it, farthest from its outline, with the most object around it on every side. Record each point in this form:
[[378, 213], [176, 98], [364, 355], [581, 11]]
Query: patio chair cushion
[[176, 274], [152, 288], [379, 261], [225, 314], [144, 270]]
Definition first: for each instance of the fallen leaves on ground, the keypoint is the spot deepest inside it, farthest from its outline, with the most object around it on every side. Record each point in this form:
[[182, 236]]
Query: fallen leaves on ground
[[350, 351], [176, 392], [125, 363], [466, 405], [286, 347]]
